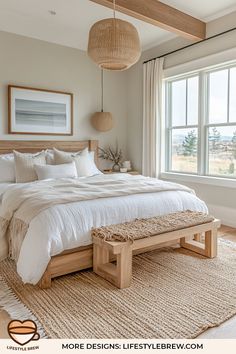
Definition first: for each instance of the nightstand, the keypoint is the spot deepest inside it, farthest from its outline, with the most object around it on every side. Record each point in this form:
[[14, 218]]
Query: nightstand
[[132, 172]]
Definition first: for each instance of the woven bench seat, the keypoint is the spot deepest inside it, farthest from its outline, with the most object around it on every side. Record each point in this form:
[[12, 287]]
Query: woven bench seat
[[121, 240], [142, 228]]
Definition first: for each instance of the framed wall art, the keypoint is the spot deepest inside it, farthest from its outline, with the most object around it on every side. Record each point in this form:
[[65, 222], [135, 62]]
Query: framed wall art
[[41, 112]]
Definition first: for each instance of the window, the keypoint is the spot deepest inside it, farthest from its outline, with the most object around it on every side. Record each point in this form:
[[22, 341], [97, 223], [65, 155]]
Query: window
[[201, 123], [183, 132]]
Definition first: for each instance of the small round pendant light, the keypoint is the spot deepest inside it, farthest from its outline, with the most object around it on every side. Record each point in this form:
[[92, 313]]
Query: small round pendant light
[[102, 121], [114, 44]]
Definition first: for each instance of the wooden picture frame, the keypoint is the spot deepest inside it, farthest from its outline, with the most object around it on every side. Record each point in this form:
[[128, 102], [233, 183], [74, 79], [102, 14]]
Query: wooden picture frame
[[37, 111]]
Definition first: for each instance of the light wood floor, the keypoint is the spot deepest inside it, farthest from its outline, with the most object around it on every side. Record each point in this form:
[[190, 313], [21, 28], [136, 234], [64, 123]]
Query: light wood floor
[[227, 330]]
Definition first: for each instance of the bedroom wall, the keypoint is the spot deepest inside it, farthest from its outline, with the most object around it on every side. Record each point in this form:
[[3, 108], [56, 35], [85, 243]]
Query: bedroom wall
[[36, 63], [220, 200]]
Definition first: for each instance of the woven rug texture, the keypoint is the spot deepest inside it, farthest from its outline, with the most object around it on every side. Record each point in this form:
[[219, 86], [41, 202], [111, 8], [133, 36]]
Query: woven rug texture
[[174, 294]]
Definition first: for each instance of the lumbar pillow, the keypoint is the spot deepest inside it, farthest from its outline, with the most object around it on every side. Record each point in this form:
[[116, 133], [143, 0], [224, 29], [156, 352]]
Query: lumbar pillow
[[24, 166], [84, 161], [7, 168], [67, 170]]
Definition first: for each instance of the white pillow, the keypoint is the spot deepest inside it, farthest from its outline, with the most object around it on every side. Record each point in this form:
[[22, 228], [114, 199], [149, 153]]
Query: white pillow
[[85, 165], [24, 165], [7, 168], [84, 161], [50, 157], [60, 155], [67, 170]]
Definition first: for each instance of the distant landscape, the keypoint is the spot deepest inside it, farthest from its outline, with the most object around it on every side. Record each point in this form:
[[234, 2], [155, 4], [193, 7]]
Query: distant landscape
[[222, 151]]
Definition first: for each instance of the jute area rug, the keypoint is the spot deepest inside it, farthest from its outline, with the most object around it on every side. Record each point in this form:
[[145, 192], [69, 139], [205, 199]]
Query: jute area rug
[[174, 294]]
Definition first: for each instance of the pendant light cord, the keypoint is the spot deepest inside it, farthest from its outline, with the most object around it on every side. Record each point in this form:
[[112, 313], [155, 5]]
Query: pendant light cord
[[114, 8], [102, 88]]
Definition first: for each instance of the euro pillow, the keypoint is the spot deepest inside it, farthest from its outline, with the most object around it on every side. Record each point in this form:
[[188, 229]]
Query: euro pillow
[[67, 170], [7, 168], [60, 155], [24, 165], [84, 161]]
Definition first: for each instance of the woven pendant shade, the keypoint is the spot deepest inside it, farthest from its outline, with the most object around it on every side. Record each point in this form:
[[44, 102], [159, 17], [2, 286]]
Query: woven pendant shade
[[114, 44], [102, 121]]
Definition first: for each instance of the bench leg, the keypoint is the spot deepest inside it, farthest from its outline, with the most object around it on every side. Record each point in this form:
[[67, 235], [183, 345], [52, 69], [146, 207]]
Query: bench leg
[[211, 243], [124, 268], [209, 249], [197, 237], [100, 256], [119, 274]]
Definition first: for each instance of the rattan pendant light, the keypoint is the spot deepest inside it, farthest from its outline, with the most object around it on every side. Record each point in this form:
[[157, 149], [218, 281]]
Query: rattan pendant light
[[102, 121], [114, 44]]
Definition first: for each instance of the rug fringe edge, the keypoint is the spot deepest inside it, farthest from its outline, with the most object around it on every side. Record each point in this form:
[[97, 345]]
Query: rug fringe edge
[[15, 308]]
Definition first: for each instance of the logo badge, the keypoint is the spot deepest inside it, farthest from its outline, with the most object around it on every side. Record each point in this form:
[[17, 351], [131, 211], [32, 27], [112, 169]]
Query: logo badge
[[22, 332]]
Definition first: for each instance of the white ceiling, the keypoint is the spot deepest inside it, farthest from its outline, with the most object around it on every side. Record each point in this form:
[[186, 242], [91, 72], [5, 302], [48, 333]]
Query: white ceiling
[[205, 10], [70, 25]]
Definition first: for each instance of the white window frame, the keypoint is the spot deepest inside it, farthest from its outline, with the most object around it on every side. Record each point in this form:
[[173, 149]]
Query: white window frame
[[202, 175], [170, 127]]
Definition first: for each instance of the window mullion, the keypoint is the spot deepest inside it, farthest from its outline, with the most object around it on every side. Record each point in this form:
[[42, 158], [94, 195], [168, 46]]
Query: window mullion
[[169, 123], [186, 112], [201, 121], [228, 96]]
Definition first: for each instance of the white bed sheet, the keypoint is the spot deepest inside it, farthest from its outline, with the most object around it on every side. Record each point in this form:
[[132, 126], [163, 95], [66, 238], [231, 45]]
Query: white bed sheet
[[3, 187], [63, 227]]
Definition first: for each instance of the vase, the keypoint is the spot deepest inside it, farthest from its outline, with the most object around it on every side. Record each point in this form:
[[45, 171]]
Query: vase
[[116, 167]]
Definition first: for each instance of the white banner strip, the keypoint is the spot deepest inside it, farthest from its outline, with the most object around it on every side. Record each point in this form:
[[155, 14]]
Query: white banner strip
[[57, 346]]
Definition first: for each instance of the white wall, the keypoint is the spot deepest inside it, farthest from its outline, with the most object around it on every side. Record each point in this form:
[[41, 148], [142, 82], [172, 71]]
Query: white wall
[[35, 63], [222, 201]]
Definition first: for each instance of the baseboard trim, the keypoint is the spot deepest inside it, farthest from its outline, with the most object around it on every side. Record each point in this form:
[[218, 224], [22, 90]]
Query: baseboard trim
[[225, 214]]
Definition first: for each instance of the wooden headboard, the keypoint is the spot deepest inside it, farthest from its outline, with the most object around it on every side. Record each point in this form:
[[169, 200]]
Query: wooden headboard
[[32, 146]]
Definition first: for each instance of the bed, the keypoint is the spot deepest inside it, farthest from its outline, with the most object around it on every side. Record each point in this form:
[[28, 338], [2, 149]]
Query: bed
[[58, 239]]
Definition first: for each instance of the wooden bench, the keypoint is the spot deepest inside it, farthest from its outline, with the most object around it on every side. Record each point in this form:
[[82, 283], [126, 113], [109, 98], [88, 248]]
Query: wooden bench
[[119, 273]]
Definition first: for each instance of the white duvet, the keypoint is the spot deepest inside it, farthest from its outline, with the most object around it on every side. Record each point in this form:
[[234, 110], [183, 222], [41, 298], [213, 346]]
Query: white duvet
[[67, 226]]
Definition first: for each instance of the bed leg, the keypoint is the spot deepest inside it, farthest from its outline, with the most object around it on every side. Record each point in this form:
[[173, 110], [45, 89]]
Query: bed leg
[[46, 281]]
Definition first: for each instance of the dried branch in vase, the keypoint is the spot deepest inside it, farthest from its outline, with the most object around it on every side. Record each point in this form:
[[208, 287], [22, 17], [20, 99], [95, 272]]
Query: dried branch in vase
[[113, 155]]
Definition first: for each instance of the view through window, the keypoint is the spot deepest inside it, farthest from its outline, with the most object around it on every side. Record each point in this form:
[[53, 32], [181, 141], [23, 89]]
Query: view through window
[[201, 123]]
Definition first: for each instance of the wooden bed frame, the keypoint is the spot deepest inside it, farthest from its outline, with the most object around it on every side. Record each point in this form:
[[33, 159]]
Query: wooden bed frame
[[74, 259]]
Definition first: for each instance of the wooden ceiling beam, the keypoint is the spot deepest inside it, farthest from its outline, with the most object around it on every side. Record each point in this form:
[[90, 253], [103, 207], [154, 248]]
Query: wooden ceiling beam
[[161, 15]]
